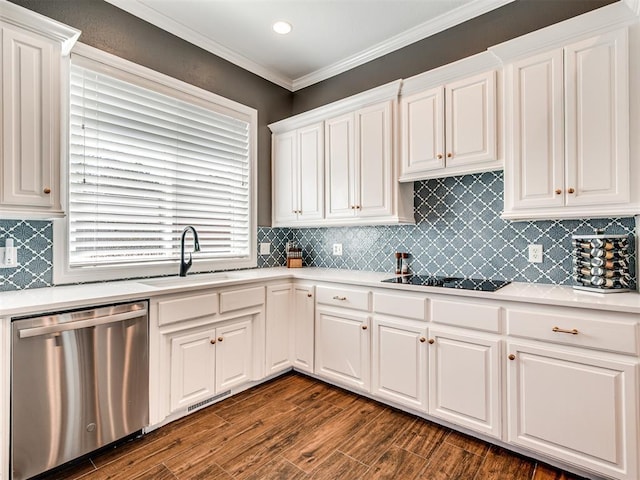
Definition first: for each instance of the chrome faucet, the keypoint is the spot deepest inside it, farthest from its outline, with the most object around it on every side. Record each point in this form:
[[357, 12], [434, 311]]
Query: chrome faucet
[[185, 266]]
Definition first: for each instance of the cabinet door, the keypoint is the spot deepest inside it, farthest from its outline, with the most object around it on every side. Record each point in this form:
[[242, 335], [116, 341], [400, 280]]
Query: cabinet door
[[339, 167], [597, 77], [534, 174], [342, 347], [400, 361], [464, 380], [285, 174], [422, 118], [303, 327], [278, 328], [30, 122], [193, 366], [234, 357], [374, 153], [576, 407], [470, 120], [311, 172]]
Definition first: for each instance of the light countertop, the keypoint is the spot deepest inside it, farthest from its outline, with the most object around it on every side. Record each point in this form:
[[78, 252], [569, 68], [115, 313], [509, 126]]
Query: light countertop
[[24, 302]]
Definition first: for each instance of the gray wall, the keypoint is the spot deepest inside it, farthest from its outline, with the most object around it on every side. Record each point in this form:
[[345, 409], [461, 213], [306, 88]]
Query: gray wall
[[469, 38], [115, 31]]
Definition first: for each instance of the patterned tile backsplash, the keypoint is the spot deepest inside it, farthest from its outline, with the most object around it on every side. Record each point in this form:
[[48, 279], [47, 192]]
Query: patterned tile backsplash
[[458, 232]]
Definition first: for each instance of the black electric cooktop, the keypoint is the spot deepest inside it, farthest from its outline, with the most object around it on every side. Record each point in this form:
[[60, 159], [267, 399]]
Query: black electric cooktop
[[481, 284]]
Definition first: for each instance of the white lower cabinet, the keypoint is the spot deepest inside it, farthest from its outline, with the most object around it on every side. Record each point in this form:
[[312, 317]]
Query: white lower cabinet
[[342, 347], [193, 361], [203, 345], [278, 328], [576, 406], [400, 361], [464, 379], [303, 310], [208, 361]]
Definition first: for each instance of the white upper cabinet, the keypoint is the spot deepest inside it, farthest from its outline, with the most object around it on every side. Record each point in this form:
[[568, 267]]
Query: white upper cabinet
[[423, 131], [597, 125], [470, 120], [567, 120], [337, 164], [298, 176], [359, 163], [32, 48], [449, 120], [536, 159], [340, 166]]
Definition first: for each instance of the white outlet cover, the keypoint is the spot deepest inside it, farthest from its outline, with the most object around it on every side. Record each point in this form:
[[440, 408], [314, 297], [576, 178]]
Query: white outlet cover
[[265, 248], [337, 249], [535, 253]]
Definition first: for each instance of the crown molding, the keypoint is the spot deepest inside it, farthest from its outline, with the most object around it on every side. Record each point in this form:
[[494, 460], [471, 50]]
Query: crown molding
[[415, 34], [634, 5], [466, 67], [388, 91], [31, 21], [419, 32], [182, 31], [595, 22]]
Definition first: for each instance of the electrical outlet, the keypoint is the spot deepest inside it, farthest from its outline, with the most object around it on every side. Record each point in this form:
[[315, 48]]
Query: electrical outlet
[[535, 253], [265, 248], [8, 257], [337, 249]]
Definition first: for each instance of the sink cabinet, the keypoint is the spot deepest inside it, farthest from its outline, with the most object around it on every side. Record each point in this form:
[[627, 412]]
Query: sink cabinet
[[206, 362], [205, 345]]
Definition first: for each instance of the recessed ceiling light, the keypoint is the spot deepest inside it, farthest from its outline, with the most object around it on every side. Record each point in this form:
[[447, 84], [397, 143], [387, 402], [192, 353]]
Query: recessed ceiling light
[[282, 27]]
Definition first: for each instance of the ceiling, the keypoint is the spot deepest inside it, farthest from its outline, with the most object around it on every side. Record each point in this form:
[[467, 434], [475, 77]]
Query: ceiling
[[328, 36]]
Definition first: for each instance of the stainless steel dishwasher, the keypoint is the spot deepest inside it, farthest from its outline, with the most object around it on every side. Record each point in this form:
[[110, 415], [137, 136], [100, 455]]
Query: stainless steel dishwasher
[[79, 381]]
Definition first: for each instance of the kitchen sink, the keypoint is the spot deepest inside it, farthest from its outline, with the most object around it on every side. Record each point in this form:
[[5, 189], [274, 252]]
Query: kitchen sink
[[188, 281]]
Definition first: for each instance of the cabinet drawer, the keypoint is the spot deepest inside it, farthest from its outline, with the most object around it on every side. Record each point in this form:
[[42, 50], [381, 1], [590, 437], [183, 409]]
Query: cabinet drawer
[[574, 328], [185, 308], [467, 315], [245, 298], [400, 305], [343, 297]]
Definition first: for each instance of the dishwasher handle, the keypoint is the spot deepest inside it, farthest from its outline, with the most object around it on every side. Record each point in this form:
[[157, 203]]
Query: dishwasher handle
[[91, 322]]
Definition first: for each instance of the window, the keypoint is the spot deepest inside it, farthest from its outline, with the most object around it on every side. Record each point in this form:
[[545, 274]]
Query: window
[[147, 156]]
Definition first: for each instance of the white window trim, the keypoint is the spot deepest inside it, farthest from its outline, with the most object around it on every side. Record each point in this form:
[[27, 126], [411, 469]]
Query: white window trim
[[62, 273]]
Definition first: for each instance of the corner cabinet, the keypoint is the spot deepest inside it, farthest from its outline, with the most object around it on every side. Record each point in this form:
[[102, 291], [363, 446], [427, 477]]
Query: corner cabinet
[[342, 336], [32, 47], [359, 164], [567, 116], [451, 128], [338, 164], [298, 173]]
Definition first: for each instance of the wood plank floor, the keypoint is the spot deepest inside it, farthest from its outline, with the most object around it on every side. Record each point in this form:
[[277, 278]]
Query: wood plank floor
[[296, 427]]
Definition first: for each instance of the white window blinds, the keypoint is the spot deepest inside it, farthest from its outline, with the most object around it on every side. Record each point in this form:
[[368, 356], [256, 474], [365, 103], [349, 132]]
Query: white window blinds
[[143, 165]]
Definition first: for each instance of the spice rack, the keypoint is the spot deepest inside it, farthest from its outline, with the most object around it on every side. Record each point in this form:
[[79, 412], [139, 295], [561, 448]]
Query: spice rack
[[294, 255], [601, 263]]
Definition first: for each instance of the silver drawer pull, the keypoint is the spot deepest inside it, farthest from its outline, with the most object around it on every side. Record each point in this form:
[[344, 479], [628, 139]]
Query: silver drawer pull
[[338, 297], [573, 331]]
